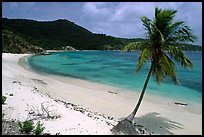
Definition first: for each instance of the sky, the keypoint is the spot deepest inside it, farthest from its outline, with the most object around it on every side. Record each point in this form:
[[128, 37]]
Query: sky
[[118, 19]]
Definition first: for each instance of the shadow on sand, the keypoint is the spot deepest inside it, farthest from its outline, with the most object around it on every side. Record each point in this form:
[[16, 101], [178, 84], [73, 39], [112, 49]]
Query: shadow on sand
[[156, 124]]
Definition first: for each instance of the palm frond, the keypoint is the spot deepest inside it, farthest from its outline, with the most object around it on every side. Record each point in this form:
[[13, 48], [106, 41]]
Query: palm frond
[[159, 75], [164, 19], [157, 11], [132, 46], [172, 28], [181, 34], [144, 56], [164, 68], [157, 72], [169, 67], [179, 56], [161, 35], [147, 23]]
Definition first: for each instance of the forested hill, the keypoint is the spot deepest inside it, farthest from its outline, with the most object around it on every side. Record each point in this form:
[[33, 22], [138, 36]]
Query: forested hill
[[61, 33], [58, 34]]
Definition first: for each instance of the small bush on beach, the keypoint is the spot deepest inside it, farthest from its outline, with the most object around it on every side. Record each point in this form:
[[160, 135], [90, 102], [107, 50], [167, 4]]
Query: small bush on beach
[[26, 126], [11, 94], [4, 99], [39, 128]]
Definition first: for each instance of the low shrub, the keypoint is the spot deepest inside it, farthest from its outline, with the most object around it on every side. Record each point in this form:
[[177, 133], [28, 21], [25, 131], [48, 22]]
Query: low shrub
[[39, 128], [26, 126], [4, 99]]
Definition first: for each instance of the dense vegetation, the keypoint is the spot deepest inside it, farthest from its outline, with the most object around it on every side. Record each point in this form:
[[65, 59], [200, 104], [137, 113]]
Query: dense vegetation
[[15, 44], [56, 35]]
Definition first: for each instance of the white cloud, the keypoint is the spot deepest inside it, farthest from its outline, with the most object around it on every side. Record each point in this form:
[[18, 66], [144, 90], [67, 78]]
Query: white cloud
[[96, 8], [121, 19]]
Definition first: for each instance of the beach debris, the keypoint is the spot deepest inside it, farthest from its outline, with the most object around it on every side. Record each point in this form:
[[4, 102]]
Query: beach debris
[[178, 103], [130, 129], [109, 120], [16, 82], [39, 81], [42, 112], [58, 133], [35, 89], [112, 92], [11, 94]]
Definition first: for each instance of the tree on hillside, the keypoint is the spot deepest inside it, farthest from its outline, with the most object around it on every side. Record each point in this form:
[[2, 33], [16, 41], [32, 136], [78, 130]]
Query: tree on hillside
[[161, 49]]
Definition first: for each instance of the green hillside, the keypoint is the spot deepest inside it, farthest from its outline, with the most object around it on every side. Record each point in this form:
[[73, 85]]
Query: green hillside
[[58, 34], [15, 44]]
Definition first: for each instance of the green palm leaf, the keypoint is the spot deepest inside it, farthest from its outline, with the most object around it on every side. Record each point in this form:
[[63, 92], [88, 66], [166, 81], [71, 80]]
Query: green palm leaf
[[148, 24], [144, 56], [131, 46], [168, 67], [179, 56]]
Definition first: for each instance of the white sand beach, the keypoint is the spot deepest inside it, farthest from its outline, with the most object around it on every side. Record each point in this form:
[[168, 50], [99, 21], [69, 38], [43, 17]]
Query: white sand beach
[[90, 108]]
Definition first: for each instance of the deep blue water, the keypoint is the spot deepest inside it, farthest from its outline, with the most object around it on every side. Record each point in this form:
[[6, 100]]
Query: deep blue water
[[118, 69]]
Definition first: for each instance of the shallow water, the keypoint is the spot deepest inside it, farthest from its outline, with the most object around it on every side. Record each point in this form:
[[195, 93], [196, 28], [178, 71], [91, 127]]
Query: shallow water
[[118, 69]]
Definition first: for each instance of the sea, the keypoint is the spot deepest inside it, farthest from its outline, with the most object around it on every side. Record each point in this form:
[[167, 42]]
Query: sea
[[118, 68]]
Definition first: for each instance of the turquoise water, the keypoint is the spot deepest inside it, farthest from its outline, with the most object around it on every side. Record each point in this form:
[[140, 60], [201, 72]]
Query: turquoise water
[[117, 68]]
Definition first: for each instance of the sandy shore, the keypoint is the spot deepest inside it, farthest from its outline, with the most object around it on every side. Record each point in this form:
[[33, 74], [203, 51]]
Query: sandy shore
[[93, 108]]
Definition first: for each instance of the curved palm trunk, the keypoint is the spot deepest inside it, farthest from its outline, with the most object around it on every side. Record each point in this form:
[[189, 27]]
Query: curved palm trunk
[[132, 115]]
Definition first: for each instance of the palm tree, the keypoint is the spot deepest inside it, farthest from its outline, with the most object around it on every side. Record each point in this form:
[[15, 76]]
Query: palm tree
[[162, 49]]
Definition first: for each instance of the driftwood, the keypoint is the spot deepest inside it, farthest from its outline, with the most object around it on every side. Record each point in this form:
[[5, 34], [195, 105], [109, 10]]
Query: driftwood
[[178, 103], [112, 92], [42, 112]]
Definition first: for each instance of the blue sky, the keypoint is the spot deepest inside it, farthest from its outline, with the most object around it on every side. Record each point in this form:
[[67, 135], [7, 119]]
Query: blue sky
[[119, 19]]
